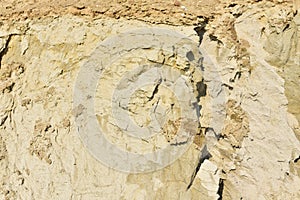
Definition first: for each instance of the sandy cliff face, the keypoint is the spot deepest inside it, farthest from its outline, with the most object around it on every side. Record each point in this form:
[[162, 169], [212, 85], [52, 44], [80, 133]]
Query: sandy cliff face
[[221, 79]]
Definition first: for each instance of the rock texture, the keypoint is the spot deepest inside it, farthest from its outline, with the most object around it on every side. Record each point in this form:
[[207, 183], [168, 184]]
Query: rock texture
[[246, 88]]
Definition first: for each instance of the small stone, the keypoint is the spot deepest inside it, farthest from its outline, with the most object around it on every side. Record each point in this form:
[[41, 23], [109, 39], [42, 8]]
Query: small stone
[[177, 3], [183, 7]]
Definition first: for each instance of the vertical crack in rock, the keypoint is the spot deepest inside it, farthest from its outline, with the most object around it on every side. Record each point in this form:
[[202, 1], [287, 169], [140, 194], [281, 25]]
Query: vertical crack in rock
[[203, 156], [5, 48], [201, 89], [65, 42], [200, 30], [221, 189], [155, 89]]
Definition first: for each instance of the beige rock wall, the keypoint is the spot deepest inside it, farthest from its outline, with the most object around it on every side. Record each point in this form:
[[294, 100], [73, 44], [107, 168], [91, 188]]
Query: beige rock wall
[[247, 145]]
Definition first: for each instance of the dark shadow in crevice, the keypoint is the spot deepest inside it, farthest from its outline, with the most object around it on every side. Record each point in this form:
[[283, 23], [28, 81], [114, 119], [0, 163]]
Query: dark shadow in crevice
[[201, 89], [220, 189], [203, 156], [5, 49], [200, 29]]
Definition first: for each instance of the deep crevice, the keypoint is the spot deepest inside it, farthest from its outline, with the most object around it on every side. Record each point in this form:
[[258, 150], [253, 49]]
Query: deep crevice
[[200, 29], [5, 49], [204, 155], [201, 89], [296, 160], [221, 189]]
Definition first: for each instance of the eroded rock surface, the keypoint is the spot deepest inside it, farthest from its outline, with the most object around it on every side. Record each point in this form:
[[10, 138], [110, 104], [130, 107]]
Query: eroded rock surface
[[245, 142]]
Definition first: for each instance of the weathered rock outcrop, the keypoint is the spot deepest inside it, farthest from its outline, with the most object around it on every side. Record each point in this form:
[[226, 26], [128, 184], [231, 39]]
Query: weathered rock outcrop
[[244, 80]]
